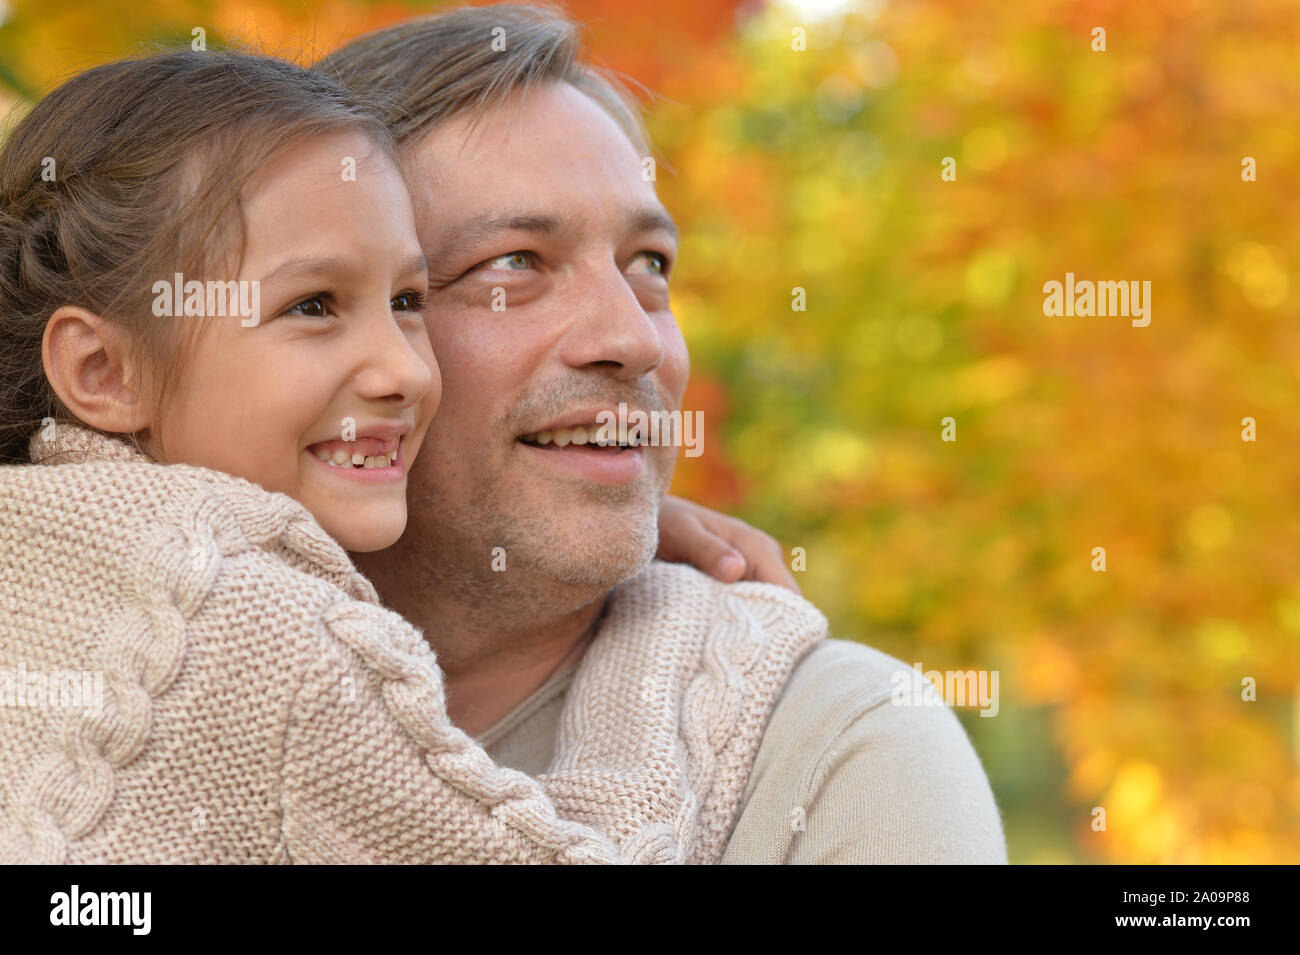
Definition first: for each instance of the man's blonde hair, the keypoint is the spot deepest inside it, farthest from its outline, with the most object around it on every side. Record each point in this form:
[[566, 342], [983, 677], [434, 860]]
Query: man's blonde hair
[[421, 73]]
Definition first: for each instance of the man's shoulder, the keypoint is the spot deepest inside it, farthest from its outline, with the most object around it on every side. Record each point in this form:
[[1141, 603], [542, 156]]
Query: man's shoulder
[[843, 675], [827, 698], [845, 775], [664, 588]]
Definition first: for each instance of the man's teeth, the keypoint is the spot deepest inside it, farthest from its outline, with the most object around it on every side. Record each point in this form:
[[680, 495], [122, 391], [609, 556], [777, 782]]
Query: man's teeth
[[582, 434], [341, 459]]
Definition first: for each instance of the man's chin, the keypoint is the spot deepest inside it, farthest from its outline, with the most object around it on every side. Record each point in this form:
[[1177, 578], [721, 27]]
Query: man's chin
[[599, 548]]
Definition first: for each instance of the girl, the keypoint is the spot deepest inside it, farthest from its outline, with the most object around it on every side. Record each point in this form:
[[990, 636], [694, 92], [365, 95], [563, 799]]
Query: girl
[[191, 668]]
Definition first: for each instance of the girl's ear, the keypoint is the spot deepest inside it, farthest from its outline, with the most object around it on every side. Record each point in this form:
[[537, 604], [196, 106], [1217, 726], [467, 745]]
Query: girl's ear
[[89, 366]]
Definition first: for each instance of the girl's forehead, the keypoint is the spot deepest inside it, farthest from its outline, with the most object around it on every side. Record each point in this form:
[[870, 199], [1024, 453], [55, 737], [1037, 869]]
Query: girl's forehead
[[340, 155]]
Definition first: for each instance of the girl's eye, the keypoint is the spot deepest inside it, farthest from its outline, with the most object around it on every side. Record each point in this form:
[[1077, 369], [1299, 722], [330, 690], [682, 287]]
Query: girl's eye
[[314, 307], [408, 301], [514, 261], [656, 263]]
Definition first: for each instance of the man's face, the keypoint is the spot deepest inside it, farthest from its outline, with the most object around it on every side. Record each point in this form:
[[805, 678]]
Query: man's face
[[549, 254]]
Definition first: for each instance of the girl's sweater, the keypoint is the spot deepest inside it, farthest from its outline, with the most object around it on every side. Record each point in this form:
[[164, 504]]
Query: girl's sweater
[[192, 670]]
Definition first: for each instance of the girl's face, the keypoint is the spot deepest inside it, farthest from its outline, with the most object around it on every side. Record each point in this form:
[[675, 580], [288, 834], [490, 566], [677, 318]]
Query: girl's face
[[328, 396]]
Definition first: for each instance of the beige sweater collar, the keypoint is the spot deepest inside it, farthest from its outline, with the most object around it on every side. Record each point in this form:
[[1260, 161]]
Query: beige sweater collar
[[260, 514]]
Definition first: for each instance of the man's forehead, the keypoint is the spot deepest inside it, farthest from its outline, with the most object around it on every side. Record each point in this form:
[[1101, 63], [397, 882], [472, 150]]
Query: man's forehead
[[546, 160], [550, 127]]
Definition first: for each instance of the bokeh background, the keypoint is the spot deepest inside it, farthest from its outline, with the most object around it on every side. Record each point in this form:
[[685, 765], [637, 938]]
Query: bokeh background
[[819, 168]]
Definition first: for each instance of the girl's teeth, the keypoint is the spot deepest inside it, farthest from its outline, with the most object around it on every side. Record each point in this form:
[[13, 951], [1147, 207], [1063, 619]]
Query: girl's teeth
[[341, 459]]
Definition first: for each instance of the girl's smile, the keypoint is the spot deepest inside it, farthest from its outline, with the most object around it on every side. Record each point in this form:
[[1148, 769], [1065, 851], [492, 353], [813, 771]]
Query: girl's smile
[[370, 458]]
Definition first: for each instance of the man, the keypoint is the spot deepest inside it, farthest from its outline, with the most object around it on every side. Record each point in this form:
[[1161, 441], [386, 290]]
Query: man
[[550, 256]]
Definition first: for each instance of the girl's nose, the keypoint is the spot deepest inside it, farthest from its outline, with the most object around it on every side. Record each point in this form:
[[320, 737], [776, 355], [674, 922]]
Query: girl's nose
[[393, 366]]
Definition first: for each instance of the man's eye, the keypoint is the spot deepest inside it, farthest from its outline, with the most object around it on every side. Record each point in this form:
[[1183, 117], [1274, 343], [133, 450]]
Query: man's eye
[[656, 263], [511, 261], [317, 306], [408, 301]]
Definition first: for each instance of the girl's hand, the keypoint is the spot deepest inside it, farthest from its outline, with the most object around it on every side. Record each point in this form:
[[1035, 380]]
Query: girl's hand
[[723, 546]]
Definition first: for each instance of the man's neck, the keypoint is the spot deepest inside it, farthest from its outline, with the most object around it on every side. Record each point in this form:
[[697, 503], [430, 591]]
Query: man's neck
[[483, 689], [494, 651]]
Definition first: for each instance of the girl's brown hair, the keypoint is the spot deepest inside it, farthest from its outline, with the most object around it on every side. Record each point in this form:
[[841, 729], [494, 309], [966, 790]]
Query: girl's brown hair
[[125, 175]]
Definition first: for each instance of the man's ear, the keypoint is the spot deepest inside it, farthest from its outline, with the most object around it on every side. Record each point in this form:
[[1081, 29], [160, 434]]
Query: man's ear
[[89, 366]]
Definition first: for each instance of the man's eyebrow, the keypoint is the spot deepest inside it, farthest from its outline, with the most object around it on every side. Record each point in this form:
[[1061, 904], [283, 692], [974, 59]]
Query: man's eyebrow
[[650, 219], [489, 225], [492, 223]]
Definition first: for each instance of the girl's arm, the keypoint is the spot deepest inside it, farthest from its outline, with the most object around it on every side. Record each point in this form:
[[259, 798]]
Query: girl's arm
[[375, 772], [723, 546]]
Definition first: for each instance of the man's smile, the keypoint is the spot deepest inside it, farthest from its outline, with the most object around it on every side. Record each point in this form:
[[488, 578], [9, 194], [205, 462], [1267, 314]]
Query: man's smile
[[604, 464]]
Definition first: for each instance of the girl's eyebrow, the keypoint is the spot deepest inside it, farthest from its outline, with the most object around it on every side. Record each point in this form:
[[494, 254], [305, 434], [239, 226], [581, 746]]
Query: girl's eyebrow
[[418, 262], [310, 267]]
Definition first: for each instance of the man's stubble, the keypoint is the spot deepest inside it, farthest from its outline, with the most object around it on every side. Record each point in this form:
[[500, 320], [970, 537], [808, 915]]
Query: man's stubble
[[547, 558]]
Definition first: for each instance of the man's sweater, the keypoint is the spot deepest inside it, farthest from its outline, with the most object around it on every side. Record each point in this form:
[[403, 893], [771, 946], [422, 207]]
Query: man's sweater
[[259, 705], [843, 775]]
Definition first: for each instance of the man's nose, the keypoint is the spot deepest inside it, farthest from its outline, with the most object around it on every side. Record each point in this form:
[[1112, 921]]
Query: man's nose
[[610, 329]]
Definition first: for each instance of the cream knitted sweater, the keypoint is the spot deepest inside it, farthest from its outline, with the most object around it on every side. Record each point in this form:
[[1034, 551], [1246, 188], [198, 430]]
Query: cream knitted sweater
[[257, 704]]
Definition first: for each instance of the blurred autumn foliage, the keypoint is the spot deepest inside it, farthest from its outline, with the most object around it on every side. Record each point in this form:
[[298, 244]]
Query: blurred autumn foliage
[[820, 169]]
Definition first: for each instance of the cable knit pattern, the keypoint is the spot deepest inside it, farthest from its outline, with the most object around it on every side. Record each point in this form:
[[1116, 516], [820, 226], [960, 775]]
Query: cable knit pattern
[[259, 705], [682, 679]]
